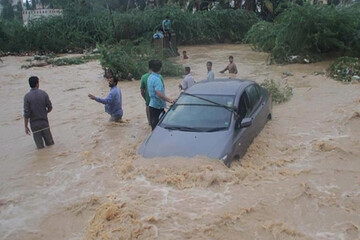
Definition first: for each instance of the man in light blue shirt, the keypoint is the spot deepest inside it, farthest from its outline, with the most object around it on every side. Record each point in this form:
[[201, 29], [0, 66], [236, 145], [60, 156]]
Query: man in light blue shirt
[[157, 95], [166, 27], [113, 102]]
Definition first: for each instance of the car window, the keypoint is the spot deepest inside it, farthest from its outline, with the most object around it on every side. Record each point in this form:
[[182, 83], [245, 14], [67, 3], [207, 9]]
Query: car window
[[243, 107], [192, 112], [254, 95]]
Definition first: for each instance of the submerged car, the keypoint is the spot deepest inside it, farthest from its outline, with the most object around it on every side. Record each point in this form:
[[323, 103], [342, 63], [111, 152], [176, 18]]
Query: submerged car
[[218, 119]]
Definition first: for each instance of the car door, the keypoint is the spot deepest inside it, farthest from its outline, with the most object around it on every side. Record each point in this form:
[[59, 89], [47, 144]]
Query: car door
[[242, 136], [264, 109], [255, 109]]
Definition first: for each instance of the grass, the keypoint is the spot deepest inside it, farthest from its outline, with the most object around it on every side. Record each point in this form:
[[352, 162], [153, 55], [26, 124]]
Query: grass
[[76, 31], [303, 33]]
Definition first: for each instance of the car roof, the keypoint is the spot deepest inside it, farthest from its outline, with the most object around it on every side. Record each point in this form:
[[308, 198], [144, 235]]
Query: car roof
[[219, 86]]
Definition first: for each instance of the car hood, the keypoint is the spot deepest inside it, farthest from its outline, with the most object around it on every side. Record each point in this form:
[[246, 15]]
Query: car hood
[[164, 143]]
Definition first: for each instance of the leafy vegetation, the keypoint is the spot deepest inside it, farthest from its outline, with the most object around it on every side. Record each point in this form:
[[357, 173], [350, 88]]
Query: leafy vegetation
[[345, 69], [123, 60], [82, 27], [280, 91], [307, 31]]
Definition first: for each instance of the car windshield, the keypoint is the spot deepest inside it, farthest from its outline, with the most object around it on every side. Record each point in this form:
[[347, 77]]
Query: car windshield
[[200, 113]]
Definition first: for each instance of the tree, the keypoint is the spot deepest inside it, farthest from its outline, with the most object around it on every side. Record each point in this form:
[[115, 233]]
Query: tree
[[33, 4], [27, 5], [45, 3], [19, 9], [8, 10]]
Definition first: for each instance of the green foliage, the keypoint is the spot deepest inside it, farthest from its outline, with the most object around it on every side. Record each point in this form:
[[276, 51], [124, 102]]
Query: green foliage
[[130, 58], [345, 68], [82, 27], [199, 27], [280, 91], [8, 10], [309, 30], [262, 36]]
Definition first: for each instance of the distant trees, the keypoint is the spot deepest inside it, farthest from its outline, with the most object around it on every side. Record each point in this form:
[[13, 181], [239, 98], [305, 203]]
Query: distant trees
[[10, 11]]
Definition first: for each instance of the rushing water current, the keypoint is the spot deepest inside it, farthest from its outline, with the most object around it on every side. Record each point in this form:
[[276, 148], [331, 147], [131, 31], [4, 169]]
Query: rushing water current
[[300, 179]]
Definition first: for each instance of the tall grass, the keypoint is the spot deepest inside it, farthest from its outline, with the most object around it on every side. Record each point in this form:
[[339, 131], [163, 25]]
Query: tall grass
[[127, 59], [200, 27], [309, 30], [78, 30]]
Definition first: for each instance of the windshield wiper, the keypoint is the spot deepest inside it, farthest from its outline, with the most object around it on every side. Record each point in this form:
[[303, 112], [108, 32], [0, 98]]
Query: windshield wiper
[[197, 104], [216, 129], [183, 128], [231, 109]]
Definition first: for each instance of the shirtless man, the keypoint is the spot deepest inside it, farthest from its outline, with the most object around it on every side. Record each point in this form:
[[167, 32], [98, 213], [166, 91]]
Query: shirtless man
[[231, 67]]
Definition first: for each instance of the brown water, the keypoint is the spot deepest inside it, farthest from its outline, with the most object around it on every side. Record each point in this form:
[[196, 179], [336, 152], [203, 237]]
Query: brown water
[[300, 179]]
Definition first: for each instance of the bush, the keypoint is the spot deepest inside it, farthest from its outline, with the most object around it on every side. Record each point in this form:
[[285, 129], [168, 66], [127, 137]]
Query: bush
[[309, 30], [130, 58], [199, 27], [81, 28], [280, 92], [345, 68], [262, 36]]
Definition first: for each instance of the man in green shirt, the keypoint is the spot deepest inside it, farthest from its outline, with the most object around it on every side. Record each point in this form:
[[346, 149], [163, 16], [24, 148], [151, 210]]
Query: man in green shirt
[[144, 91]]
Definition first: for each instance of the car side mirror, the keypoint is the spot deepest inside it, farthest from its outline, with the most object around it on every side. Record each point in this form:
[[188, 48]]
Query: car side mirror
[[246, 122]]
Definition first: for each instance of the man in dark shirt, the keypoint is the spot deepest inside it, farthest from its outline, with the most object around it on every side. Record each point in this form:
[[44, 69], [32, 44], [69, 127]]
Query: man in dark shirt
[[36, 107]]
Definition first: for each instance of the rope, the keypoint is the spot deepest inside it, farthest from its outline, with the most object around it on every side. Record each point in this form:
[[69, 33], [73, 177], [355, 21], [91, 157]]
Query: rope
[[41, 130]]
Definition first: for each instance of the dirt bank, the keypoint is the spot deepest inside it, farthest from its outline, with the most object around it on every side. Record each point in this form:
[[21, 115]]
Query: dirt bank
[[300, 179]]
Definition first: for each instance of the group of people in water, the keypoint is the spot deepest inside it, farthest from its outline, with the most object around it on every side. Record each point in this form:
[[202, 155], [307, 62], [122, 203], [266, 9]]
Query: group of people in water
[[37, 103], [152, 87]]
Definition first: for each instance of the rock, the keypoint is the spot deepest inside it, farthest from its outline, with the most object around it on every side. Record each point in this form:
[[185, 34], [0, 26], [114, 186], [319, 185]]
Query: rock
[[287, 73], [319, 73]]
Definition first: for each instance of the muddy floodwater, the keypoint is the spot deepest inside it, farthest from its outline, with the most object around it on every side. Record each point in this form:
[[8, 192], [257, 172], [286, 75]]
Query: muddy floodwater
[[300, 179]]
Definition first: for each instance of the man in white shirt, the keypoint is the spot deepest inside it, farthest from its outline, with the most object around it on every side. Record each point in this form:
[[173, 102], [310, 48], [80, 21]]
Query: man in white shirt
[[210, 75], [188, 80]]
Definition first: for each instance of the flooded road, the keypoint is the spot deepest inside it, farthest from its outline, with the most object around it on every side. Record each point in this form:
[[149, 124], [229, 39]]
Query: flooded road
[[300, 179]]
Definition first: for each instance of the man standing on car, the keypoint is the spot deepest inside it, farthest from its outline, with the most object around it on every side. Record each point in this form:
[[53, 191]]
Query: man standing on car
[[37, 105], [113, 102], [157, 95]]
